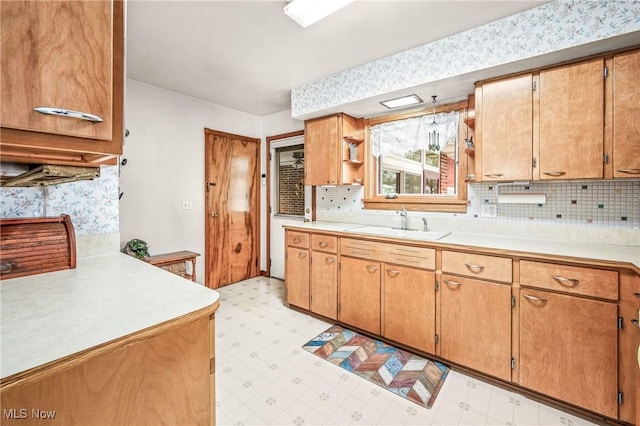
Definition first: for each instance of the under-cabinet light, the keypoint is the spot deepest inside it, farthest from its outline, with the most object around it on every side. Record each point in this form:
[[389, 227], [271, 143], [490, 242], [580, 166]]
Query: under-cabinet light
[[307, 12], [403, 101]]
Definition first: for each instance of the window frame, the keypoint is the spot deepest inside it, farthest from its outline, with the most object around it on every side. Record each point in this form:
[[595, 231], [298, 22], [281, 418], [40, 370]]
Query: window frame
[[427, 202]]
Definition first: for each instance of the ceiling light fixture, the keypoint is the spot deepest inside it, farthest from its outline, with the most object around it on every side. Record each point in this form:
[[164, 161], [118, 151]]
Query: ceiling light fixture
[[307, 12], [403, 101]]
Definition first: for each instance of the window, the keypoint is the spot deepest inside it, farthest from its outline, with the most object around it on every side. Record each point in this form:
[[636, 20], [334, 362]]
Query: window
[[289, 165], [415, 161]]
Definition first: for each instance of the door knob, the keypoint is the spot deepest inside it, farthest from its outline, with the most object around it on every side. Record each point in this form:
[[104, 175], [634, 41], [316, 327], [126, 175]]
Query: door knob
[[214, 214]]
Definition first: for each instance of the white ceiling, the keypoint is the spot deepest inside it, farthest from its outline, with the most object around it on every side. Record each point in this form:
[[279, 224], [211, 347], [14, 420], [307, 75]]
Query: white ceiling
[[248, 55]]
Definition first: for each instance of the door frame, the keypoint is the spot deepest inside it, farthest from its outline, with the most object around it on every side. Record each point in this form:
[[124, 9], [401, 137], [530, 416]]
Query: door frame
[[207, 243], [268, 196]]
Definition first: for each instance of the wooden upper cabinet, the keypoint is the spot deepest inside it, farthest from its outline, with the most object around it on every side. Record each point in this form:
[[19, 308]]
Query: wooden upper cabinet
[[326, 150], [504, 129], [572, 121], [626, 110], [66, 56]]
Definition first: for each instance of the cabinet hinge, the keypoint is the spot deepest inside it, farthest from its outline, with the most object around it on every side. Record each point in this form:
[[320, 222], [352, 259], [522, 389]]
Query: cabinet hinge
[[269, 209], [339, 266], [605, 72], [513, 301], [534, 162], [605, 158], [513, 363], [310, 299], [269, 156], [436, 285], [534, 86], [620, 323], [310, 260], [437, 339], [339, 307], [620, 398], [286, 255]]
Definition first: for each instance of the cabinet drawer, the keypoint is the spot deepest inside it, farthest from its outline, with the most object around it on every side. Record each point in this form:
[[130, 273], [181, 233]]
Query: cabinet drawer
[[477, 265], [630, 287], [324, 243], [570, 279], [399, 254], [297, 239]]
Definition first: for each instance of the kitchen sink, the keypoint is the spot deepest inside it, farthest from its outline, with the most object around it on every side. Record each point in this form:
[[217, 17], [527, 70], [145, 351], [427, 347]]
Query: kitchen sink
[[401, 233]]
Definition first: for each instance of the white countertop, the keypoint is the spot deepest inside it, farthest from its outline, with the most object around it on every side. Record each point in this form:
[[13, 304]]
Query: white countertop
[[49, 316], [588, 251]]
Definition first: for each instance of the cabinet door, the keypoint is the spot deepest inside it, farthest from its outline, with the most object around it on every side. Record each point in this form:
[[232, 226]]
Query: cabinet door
[[628, 368], [297, 277], [324, 284], [57, 54], [506, 130], [568, 349], [360, 294], [476, 325], [409, 307], [626, 110], [321, 151], [572, 121]]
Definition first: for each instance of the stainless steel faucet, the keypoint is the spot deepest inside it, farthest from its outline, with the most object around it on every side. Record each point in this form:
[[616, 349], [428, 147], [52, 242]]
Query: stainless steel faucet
[[403, 218], [425, 226]]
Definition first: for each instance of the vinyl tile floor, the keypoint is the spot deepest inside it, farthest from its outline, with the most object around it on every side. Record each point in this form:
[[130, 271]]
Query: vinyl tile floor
[[264, 377]]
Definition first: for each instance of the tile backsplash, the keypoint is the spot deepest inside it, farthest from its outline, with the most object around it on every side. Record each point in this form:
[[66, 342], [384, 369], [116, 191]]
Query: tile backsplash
[[609, 203], [92, 205]]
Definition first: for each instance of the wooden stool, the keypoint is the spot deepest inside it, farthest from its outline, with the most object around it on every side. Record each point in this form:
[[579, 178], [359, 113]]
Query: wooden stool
[[175, 262]]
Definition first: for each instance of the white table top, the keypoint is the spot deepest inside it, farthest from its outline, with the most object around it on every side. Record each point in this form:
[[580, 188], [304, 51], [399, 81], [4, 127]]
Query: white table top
[[49, 316]]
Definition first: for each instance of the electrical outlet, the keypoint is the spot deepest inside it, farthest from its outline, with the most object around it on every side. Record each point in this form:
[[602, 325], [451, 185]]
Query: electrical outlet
[[187, 205], [488, 210]]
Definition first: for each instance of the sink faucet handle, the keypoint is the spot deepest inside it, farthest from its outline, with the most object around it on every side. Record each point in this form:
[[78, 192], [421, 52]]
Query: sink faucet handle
[[425, 228]]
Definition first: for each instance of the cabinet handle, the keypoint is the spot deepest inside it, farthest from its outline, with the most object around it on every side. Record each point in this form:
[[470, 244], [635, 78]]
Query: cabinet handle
[[296, 240], [636, 295], [635, 322], [331, 181], [567, 282], [6, 267], [302, 254], [69, 113], [534, 298], [474, 268], [630, 171], [323, 244], [330, 260], [393, 272], [493, 175], [554, 173], [372, 268], [453, 283]]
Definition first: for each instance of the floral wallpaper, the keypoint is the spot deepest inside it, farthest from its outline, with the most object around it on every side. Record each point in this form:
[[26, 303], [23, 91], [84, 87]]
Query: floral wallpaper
[[549, 28], [92, 205]]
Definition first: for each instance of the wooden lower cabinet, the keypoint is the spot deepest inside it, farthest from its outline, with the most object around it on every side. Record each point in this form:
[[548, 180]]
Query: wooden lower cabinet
[[475, 325], [162, 375], [409, 314], [568, 349], [324, 284], [297, 277], [360, 298]]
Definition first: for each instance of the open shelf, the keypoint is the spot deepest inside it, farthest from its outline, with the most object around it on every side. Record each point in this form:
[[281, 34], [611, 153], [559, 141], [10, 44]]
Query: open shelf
[[351, 139], [470, 151]]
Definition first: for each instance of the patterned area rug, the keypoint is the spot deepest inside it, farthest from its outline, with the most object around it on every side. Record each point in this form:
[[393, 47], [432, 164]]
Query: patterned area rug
[[411, 376]]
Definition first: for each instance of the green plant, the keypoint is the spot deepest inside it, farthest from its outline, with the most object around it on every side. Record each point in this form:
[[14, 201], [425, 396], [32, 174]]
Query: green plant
[[137, 248]]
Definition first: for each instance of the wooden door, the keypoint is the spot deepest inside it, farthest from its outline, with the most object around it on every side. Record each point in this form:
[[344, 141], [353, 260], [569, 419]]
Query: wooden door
[[57, 54], [506, 135], [626, 110], [321, 151], [360, 294], [568, 349], [572, 121], [324, 284], [409, 307], [476, 325], [232, 216], [297, 277]]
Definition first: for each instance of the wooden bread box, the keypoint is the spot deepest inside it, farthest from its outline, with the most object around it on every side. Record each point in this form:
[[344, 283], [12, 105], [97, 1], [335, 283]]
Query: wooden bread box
[[32, 246]]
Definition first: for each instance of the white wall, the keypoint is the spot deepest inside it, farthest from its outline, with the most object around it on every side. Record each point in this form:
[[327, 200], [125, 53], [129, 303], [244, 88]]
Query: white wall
[[165, 165]]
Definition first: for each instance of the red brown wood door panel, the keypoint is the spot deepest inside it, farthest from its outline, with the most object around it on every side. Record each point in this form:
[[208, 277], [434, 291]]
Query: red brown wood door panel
[[232, 208]]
